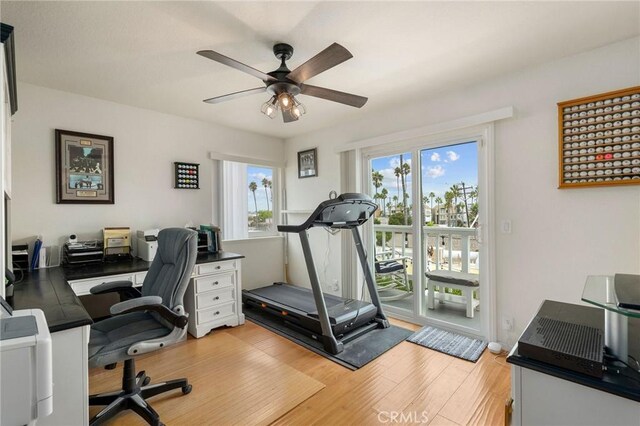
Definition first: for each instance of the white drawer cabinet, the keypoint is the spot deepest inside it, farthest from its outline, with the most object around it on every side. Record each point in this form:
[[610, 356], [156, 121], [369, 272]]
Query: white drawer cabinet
[[213, 297]]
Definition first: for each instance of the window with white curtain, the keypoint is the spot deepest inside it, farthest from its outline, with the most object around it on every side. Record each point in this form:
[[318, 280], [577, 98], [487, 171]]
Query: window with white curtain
[[249, 202]]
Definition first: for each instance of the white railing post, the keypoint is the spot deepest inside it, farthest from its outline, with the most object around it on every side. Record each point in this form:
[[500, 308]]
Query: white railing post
[[464, 248]]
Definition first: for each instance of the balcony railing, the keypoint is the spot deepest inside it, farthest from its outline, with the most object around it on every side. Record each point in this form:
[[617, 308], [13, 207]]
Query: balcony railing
[[453, 249]]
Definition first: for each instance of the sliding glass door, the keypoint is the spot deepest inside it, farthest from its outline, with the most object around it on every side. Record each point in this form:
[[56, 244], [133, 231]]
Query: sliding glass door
[[449, 197], [428, 255], [392, 185]]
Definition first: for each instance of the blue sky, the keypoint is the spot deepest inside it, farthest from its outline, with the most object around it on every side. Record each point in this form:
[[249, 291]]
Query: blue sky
[[441, 168], [256, 174]]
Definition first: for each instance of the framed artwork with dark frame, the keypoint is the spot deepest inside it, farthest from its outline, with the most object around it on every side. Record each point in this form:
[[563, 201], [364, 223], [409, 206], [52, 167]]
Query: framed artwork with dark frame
[[308, 163], [84, 168]]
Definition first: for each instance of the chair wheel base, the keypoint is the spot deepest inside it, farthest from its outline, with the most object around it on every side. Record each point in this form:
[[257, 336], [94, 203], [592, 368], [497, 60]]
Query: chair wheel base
[[136, 390]]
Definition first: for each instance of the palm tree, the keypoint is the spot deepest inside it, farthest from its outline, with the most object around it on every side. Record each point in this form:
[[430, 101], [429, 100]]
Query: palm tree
[[265, 183], [438, 202], [395, 201], [431, 197], [252, 187], [474, 195], [405, 170], [376, 177], [455, 190], [398, 172], [383, 196], [448, 202]]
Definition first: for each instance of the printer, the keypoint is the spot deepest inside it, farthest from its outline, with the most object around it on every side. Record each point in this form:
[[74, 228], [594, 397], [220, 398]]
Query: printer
[[147, 244], [26, 372]]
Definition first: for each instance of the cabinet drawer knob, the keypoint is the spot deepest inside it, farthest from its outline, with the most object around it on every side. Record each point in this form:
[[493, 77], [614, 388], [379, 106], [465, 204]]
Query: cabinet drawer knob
[[216, 313], [215, 283], [216, 298], [218, 267]]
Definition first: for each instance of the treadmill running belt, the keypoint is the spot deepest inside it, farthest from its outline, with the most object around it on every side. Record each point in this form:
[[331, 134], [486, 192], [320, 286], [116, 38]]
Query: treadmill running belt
[[301, 298]]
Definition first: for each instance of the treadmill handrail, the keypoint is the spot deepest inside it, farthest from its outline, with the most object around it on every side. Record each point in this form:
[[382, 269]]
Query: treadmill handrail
[[342, 199]]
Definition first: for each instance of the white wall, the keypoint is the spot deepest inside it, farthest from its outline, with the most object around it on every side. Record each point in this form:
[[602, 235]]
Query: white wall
[[559, 236], [146, 143], [263, 262]]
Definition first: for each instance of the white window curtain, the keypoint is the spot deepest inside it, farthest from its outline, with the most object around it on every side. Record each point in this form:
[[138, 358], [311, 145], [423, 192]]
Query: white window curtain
[[234, 200]]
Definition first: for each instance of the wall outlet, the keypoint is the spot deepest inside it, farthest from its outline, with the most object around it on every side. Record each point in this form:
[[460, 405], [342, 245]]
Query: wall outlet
[[507, 324], [505, 226]]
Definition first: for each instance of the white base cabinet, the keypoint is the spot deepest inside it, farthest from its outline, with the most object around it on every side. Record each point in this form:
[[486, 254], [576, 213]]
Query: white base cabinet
[[70, 350], [541, 399], [213, 298]]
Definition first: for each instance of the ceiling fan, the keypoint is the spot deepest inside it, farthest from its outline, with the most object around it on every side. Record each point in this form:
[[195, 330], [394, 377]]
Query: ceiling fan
[[283, 84]]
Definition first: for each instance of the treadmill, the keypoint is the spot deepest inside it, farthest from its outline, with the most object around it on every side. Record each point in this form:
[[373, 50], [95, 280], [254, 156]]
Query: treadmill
[[326, 318]]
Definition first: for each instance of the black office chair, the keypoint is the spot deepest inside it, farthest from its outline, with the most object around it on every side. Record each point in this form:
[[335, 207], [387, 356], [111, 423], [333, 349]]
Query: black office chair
[[142, 323]]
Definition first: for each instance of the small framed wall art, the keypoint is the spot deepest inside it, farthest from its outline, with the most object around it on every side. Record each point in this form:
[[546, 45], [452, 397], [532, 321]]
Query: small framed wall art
[[186, 175], [599, 140], [84, 168], [308, 163]]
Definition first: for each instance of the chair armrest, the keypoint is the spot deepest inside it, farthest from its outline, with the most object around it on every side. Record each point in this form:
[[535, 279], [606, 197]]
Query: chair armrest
[[149, 303], [124, 288], [111, 287]]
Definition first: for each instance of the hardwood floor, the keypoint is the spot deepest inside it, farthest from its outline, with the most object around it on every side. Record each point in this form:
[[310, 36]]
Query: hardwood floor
[[407, 385]]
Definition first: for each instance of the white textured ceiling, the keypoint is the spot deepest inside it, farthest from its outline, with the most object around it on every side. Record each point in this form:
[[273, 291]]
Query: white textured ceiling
[[143, 53]]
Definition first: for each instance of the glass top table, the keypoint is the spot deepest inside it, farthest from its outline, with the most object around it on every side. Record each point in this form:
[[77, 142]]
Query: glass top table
[[599, 290]]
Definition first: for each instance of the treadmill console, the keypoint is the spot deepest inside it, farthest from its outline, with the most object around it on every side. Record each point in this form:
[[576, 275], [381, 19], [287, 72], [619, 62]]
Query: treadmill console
[[345, 211]]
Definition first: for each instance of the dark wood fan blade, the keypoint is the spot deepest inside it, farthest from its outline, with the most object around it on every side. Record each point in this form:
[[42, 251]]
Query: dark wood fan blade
[[287, 117], [334, 95], [215, 56], [234, 95], [328, 58]]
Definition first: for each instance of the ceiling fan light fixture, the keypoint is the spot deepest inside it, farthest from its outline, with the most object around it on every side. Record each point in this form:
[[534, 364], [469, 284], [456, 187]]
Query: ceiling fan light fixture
[[270, 108], [298, 108], [285, 100], [284, 84]]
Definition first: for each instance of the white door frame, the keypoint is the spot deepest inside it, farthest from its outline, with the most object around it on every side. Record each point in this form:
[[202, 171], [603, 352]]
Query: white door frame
[[484, 135]]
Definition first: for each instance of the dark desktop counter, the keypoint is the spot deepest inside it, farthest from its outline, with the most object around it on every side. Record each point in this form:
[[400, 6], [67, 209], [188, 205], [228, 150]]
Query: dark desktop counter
[[623, 382], [49, 290]]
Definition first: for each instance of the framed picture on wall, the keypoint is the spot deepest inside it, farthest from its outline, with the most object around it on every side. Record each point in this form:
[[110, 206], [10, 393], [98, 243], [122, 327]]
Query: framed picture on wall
[[307, 163], [84, 168]]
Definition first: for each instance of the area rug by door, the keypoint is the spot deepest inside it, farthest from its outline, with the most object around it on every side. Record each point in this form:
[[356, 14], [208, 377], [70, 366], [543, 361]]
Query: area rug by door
[[449, 343], [356, 353]]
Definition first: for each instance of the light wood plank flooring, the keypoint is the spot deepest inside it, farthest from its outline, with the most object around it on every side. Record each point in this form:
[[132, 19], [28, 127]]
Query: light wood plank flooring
[[412, 383]]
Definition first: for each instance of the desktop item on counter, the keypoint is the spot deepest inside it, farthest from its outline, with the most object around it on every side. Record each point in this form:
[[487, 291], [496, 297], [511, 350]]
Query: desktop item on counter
[[82, 253], [214, 238], [147, 244], [567, 336], [20, 257], [203, 242], [117, 244]]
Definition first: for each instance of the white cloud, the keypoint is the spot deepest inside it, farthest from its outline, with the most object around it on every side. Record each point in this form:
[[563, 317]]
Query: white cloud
[[435, 157], [257, 177], [453, 156], [435, 171], [395, 161]]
